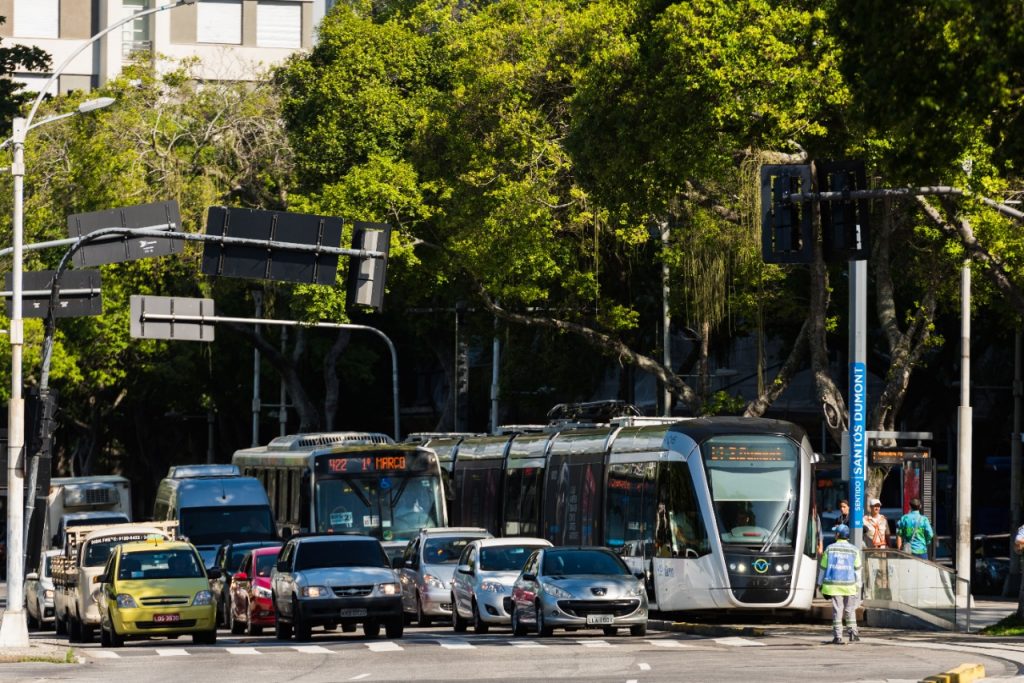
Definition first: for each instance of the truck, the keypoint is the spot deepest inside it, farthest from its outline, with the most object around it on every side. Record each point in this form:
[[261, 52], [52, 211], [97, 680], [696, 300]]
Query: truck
[[105, 492], [81, 562]]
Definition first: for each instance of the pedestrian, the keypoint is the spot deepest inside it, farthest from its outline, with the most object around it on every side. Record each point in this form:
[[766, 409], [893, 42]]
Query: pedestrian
[[915, 531], [1018, 540], [839, 577], [876, 526], [844, 513]]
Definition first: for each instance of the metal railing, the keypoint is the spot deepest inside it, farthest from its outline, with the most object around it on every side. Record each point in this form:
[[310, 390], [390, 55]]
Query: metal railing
[[923, 589]]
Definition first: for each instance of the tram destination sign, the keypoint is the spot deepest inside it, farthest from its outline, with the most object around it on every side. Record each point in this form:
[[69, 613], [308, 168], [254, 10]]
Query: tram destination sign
[[896, 455], [360, 463], [738, 451]]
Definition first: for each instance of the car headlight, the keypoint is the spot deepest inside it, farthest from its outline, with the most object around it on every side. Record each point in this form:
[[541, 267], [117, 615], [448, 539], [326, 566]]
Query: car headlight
[[262, 592], [314, 592], [202, 598], [433, 582], [556, 592], [492, 587], [48, 595], [125, 601], [388, 588]]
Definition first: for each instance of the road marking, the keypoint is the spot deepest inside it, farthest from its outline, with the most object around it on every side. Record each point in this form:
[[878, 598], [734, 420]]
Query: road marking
[[386, 646], [644, 667], [454, 644], [667, 643], [632, 680], [360, 676], [738, 642], [104, 654], [312, 649], [595, 643], [526, 643], [243, 651], [171, 652]]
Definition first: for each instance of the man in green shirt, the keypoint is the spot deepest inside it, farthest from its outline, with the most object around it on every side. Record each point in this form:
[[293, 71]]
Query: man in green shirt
[[915, 531]]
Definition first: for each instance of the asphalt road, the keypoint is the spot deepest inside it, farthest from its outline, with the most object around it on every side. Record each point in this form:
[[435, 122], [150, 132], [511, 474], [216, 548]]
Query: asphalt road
[[438, 654]]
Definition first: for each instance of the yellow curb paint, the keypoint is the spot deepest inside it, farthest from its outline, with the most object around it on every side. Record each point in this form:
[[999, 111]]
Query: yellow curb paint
[[965, 673]]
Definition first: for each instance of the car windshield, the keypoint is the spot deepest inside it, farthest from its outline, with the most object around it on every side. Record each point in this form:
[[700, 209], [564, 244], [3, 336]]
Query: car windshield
[[573, 562], [96, 521], [508, 558], [48, 565], [340, 553], [97, 551], [215, 525], [444, 550], [160, 564], [238, 553], [265, 564]]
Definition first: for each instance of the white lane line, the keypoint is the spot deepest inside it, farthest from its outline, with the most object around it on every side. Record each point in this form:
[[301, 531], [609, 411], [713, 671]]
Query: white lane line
[[359, 677], [644, 667], [312, 649], [243, 651], [104, 654], [595, 643], [526, 643], [171, 652], [456, 644], [386, 646], [632, 680], [668, 643], [734, 641]]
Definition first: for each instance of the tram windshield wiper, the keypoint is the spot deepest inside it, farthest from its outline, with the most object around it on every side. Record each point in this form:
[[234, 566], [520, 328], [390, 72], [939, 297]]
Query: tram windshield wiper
[[779, 525]]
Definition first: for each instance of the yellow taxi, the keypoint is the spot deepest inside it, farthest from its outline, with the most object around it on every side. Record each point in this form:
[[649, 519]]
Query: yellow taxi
[[156, 588]]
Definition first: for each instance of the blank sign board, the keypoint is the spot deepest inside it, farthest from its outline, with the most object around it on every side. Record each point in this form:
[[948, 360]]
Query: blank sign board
[[177, 318], [264, 262], [119, 248]]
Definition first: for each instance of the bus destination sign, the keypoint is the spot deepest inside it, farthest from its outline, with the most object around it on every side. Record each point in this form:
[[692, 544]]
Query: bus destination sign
[[357, 464]]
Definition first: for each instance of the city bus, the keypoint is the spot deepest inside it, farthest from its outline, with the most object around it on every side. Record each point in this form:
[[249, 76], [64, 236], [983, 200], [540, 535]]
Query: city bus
[[717, 512], [349, 483]]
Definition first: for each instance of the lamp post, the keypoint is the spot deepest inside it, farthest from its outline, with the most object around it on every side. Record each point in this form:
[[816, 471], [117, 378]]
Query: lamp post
[[13, 628]]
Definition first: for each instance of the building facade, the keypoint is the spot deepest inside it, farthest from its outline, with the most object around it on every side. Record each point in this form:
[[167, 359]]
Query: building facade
[[233, 39]]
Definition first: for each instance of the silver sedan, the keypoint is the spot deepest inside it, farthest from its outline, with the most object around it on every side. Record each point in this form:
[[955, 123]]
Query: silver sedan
[[578, 588], [482, 585]]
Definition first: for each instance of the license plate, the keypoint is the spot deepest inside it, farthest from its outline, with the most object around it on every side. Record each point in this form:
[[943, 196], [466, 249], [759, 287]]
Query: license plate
[[354, 612], [165, 618], [600, 619]]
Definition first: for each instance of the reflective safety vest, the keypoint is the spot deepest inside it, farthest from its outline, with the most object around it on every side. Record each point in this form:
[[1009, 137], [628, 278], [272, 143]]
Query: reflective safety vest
[[840, 569]]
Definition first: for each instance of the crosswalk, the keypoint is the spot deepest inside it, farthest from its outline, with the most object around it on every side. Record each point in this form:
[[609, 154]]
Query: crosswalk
[[234, 648]]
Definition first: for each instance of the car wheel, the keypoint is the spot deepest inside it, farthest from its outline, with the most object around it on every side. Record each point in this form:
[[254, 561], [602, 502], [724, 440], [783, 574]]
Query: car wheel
[[116, 639], [394, 628], [638, 630], [251, 630], [543, 630], [518, 628], [33, 623], [351, 628], [611, 630], [479, 625], [237, 627], [303, 631], [458, 623], [59, 627], [74, 630], [205, 637], [87, 633], [371, 629], [421, 618], [104, 637]]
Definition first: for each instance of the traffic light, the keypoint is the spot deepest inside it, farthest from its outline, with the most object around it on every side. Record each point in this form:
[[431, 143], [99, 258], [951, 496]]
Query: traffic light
[[845, 224], [366, 274], [787, 232]]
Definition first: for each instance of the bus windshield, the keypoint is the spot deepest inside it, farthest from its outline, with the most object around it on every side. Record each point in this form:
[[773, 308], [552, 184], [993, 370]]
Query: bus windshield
[[390, 508], [753, 483]]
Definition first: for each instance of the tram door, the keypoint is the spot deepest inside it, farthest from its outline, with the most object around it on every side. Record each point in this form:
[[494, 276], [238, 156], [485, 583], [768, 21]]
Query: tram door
[[632, 517]]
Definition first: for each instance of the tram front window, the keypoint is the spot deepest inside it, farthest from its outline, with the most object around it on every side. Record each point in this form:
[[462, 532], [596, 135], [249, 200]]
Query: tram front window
[[388, 508], [753, 485]]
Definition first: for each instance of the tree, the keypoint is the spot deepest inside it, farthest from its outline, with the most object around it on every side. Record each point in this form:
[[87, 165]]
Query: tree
[[12, 92]]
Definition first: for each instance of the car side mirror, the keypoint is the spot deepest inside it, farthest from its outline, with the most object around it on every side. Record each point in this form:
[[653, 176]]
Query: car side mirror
[[641, 575], [55, 541], [282, 566], [464, 569], [398, 563], [286, 533], [98, 578], [240, 576], [213, 573], [529, 577], [32, 576]]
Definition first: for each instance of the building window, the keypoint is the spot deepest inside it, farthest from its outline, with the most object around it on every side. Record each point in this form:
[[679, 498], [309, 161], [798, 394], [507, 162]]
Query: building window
[[135, 34], [219, 21], [37, 18], [279, 24]]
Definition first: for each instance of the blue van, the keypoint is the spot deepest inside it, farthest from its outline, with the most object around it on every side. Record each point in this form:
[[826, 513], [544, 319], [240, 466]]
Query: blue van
[[214, 504]]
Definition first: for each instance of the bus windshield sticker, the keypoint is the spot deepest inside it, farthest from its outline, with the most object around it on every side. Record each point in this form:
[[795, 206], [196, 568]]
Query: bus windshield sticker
[[341, 519], [371, 520]]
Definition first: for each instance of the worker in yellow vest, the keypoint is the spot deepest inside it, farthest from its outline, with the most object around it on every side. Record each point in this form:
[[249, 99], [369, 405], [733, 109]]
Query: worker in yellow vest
[[839, 577]]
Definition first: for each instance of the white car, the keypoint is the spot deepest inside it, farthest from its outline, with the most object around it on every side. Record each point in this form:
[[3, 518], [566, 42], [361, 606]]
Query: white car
[[482, 585], [39, 592]]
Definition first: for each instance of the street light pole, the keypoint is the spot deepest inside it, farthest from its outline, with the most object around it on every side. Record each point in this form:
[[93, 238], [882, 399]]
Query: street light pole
[[13, 628]]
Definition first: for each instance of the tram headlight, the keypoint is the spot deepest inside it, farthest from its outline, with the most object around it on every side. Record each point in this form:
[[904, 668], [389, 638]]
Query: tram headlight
[[738, 567]]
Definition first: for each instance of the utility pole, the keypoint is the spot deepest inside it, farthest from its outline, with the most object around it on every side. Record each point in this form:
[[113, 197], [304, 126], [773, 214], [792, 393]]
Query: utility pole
[[964, 433]]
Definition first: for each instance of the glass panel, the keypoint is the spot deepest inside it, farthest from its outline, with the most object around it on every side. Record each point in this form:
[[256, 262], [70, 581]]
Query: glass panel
[[444, 550], [135, 34], [388, 507], [507, 558], [571, 506], [522, 505], [265, 564], [894, 579], [352, 553], [160, 564], [582, 562], [631, 508], [478, 494], [679, 529], [214, 525]]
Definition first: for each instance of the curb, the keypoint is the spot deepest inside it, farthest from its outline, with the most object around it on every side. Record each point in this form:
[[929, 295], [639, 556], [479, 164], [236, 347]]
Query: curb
[[707, 629], [965, 673]]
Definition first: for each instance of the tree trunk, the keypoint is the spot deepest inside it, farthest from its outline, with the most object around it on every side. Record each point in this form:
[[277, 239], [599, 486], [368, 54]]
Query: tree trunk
[[332, 385]]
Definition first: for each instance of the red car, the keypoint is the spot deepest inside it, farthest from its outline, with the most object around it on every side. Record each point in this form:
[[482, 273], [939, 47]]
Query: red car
[[251, 606]]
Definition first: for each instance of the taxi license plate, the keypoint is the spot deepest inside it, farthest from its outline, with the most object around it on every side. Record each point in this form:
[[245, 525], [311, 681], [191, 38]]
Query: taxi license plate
[[165, 618], [353, 612], [600, 619]]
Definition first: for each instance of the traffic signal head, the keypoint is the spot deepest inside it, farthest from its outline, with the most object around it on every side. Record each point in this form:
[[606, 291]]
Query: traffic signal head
[[366, 274]]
